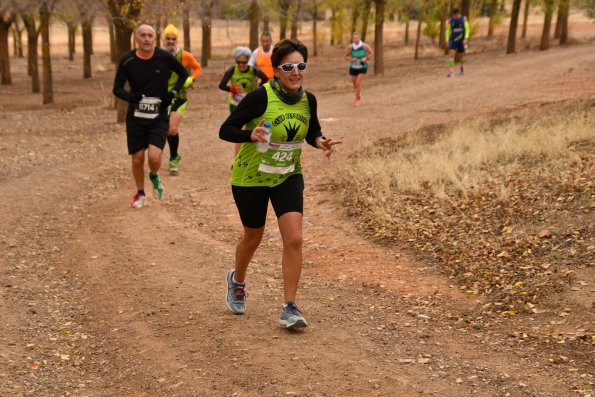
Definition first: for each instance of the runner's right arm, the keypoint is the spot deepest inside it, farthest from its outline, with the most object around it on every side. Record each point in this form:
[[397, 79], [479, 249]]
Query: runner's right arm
[[120, 81], [225, 79]]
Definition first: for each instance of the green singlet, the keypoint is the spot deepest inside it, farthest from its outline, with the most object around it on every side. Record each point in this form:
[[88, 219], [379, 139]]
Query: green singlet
[[289, 126], [246, 79]]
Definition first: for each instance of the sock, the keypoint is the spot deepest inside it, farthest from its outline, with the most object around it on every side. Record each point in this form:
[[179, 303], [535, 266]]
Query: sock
[[141, 192], [151, 176], [174, 142], [236, 282]]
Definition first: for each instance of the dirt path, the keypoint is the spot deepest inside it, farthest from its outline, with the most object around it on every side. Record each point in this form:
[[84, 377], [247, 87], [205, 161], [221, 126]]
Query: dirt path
[[101, 300]]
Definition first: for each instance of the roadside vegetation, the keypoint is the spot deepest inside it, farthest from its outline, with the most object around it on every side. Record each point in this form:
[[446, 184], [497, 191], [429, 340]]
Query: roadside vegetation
[[503, 207]]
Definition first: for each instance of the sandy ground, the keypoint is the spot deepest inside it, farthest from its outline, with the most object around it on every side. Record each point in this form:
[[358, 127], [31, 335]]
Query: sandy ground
[[97, 299]]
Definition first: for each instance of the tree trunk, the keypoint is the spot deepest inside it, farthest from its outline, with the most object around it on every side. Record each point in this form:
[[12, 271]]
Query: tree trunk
[[514, 22], [333, 23], [492, 23], [266, 23], [206, 38], [32, 55], [526, 18], [283, 12], [254, 25], [186, 26], [365, 19], [547, 25], [123, 32], [295, 18], [17, 31], [112, 39], [87, 29], [47, 89], [71, 28], [355, 13], [466, 7], [378, 37], [5, 23], [406, 38], [443, 18], [565, 11], [418, 35]]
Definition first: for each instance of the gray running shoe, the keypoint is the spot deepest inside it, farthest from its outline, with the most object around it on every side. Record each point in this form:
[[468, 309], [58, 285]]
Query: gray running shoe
[[235, 299], [291, 317]]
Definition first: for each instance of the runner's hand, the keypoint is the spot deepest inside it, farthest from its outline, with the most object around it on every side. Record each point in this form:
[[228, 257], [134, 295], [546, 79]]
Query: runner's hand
[[256, 135], [327, 145]]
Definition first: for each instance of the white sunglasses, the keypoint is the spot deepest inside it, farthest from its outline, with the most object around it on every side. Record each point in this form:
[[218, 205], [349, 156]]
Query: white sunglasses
[[290, 67]]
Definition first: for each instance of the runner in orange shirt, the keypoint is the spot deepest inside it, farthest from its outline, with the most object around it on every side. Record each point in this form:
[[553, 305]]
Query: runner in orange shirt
[[178, 107], [261, 56]]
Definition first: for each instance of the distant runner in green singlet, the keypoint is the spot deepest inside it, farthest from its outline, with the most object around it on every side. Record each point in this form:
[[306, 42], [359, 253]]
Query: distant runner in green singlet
[[358, 53]]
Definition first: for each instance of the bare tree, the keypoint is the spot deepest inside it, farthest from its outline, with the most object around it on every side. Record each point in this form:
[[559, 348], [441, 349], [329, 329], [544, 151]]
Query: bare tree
[[283, 15], [564, 11], [514, 21], [547, 24], [207, 8], [365, 18], [444, 11], [32, 54], [124, 15], [355, 14], [47, 85], [87, 30], [379, 37], [526, 18], [17, 36], [254, 11], [7, 17], [316, 4], [186, 23], [492, 22], [420, 21], [295, 18]]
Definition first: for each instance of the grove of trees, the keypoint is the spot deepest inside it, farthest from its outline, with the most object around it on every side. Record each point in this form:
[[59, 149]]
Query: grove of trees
[[32, 18]]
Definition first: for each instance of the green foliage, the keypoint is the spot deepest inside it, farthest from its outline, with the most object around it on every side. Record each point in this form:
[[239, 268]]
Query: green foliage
[[432, 28], [589, 7]]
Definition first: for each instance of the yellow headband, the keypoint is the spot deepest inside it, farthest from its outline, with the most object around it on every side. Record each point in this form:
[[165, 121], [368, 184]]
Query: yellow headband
[[170, 29]]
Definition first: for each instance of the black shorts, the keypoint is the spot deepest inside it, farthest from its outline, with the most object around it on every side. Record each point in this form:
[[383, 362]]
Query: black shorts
[[253, 201], [355, 72], [142, 133], [459, 46]]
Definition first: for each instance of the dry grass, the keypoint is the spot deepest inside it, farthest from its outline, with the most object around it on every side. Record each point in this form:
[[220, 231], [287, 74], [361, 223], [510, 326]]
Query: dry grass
[[462, 159], [504, 207]]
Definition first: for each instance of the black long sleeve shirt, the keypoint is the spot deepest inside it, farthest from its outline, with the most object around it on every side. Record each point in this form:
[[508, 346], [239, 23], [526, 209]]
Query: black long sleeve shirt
[[148, 77]]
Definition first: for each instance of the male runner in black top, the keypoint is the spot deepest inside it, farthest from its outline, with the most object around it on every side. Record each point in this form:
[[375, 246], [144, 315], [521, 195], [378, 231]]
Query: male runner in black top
[[147, 70]]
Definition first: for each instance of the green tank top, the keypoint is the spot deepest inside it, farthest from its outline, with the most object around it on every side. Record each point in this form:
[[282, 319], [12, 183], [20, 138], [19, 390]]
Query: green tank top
[[173, 78], [358, 53], [289, 126], [246, 79]]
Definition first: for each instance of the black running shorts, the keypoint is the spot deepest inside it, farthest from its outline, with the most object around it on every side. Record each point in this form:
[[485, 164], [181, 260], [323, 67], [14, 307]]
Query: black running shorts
[[252, 202], [355, 72], [142, 133]]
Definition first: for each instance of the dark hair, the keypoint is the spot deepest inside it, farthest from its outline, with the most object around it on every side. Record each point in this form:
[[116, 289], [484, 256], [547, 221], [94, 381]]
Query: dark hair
[[455, 10], [266, 33], [286, 47]]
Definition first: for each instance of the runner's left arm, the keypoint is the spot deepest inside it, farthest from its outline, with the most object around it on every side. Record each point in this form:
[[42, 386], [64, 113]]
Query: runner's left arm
[[314, 126], [188, 60], [467, 29]]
